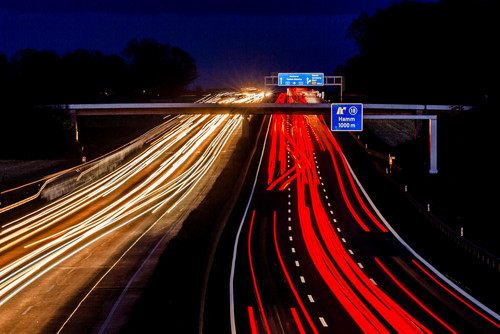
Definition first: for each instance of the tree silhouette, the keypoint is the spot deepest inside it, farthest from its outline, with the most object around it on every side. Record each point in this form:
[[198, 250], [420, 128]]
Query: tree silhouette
[[36, 75], [423, 52], [158, 69], [33, 79], [91, 76], [4, 72]]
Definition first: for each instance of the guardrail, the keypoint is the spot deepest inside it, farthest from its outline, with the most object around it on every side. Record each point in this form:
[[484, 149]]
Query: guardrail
[[480, 254]]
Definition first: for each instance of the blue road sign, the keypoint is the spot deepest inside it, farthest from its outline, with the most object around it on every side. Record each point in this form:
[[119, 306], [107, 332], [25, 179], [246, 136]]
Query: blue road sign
[[347, 117], [301, 79]]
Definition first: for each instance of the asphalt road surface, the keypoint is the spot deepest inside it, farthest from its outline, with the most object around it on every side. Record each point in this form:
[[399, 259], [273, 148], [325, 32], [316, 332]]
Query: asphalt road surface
[[77, 263], [311, 254]]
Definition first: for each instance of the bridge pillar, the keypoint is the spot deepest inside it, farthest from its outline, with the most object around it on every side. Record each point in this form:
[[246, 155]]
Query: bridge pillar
[[74, 123], [433, 145], [245, 127]]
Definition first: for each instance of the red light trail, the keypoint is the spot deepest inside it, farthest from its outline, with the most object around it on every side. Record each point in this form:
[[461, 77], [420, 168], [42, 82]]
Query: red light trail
[[348, 283], [377, 304]]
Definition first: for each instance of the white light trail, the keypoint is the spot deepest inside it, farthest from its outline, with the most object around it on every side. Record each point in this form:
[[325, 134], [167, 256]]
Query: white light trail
[[176, 162]]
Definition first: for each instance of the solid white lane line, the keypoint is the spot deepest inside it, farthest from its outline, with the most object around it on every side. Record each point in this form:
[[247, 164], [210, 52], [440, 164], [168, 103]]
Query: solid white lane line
[[235, 247], [420, 258]]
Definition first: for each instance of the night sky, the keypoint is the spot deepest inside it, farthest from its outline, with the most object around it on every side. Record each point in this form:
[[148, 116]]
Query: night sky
[[232, 41]]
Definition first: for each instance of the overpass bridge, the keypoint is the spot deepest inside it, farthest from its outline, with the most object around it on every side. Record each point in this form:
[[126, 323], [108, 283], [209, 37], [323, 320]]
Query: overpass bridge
[[371, 112], [244, 108]]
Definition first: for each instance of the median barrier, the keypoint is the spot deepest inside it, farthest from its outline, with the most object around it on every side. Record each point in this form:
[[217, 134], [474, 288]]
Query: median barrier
[[64, 182], [85, 174]]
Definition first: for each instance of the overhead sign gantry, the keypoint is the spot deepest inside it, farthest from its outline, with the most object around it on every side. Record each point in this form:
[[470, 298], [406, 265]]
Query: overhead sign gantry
[[301, 79], [305, 79]]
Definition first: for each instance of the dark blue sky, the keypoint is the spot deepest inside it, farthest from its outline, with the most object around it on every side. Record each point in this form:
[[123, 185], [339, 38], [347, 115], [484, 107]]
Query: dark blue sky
[[232, 42]]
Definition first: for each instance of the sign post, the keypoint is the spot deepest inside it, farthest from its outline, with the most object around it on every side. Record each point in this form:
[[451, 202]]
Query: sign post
[[347, 117]]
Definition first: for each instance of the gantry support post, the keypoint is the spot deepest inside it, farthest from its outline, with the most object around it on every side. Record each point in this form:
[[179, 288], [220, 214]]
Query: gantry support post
[[433, 145]]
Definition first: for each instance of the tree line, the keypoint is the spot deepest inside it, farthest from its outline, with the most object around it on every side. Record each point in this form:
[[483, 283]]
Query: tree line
[[433, 52], [32, 80], [146, 69]]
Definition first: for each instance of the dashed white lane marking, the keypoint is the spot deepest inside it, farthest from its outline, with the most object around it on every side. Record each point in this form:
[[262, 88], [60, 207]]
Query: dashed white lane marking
[[373, 281], [50, 288], [350, 251], [338, 229], [293, 250], [360, 265], [289, 219], [302, 279], [311, 299], [323, 322], [27, 310], [289, 228], [297, 264], [290, 238], [343, 240]]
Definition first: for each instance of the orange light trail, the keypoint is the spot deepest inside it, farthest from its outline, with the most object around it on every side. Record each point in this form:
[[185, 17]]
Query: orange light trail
[[174, 174]]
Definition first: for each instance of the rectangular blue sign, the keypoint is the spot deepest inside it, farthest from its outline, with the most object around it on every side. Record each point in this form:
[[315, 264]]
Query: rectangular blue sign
[[347, 117], [301, 79]]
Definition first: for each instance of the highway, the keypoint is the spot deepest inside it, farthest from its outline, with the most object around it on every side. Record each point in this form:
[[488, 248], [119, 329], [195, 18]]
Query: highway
[[312, 254], [306, 252], [73, 261]]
